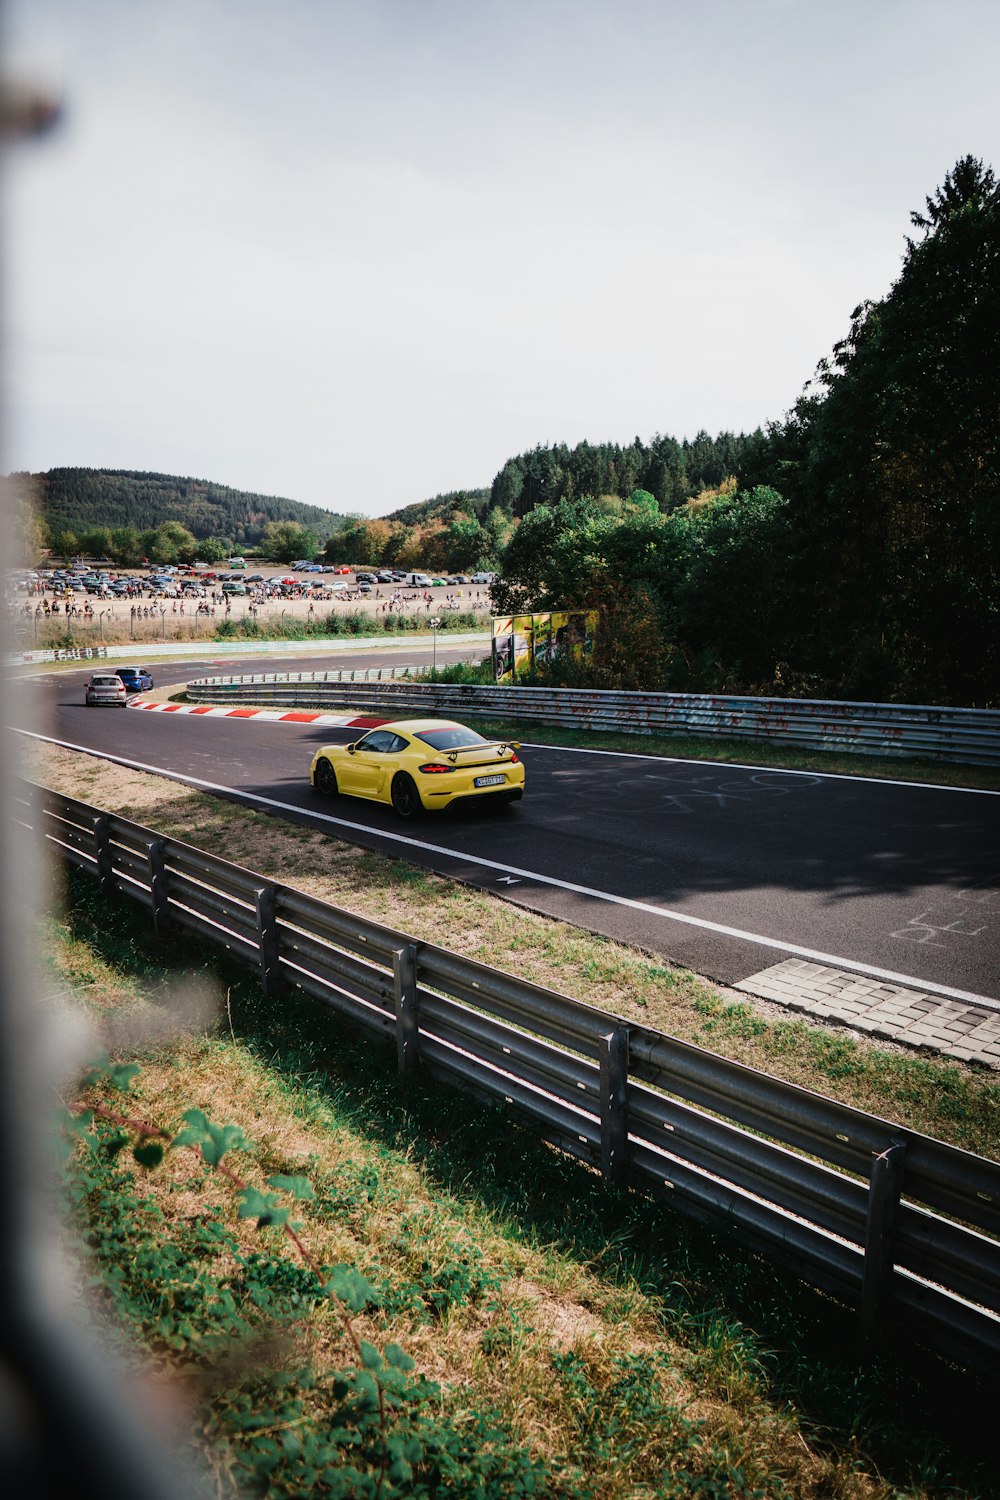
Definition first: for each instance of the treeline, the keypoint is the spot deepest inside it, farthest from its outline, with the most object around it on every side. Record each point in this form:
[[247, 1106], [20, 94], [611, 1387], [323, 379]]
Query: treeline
[[468, 529], [856, 554], [78, 500], [672, 472]]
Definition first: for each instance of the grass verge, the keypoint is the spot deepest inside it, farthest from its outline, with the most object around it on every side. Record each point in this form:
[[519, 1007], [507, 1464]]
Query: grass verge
[[567, 1339]]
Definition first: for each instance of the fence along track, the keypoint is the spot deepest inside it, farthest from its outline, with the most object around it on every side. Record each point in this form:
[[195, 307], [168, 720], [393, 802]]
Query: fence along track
[[962, 735], [901, 1227]]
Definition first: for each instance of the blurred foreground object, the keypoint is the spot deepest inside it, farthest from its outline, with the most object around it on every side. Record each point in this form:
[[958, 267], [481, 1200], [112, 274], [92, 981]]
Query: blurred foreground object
[[74, 1421], [27, 109]]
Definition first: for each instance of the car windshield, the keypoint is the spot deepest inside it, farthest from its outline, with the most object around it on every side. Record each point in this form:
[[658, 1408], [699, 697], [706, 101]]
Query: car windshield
[[454, 737]]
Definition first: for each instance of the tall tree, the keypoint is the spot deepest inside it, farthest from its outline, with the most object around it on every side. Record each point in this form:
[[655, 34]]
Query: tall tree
[[287, 541], [893, 467]]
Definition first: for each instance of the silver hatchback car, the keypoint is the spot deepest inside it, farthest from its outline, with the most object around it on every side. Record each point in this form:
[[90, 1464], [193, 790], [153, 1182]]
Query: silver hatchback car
[[106, 688]]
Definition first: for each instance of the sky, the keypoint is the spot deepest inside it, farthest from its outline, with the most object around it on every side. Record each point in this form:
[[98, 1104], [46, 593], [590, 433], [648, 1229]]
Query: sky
[[361, 252]]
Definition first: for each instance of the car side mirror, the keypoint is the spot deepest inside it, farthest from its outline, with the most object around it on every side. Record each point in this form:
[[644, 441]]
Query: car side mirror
[[351, 749]]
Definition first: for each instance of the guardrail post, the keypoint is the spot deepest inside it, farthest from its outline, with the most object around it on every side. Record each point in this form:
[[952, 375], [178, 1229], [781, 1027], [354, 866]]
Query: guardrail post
[[404, 973], [102, 844], [883, 1203], [265, 898], [614, 1103], [158, 884]]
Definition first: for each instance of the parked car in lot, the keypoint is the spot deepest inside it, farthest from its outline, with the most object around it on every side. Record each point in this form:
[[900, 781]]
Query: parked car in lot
[[420, 764], [106, 689], [136, 679]]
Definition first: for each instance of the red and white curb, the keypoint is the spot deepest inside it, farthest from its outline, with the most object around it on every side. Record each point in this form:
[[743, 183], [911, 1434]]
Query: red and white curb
[[293, 716]]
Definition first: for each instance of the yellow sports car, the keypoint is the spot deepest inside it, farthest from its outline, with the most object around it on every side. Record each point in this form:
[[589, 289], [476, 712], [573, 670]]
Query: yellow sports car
[[420, 763]]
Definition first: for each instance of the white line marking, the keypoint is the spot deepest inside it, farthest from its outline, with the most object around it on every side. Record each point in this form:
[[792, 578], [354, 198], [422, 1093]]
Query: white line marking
[[815, 955], [735, 765]]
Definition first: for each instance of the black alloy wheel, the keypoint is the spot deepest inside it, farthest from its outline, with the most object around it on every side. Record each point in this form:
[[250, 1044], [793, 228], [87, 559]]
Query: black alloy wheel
[[405, 797], [325, 779]]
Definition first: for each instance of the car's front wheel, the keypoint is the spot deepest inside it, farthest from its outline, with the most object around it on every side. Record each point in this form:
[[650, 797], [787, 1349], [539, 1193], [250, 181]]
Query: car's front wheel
[[405, 797], [325, 779]]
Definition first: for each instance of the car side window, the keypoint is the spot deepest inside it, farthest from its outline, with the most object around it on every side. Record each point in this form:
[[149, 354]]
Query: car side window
[[397, 743], [379, 741]]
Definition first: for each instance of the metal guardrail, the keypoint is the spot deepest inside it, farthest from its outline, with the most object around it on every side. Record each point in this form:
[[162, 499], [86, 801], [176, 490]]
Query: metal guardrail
[[900, 1226], [299, 682], [964, 735]]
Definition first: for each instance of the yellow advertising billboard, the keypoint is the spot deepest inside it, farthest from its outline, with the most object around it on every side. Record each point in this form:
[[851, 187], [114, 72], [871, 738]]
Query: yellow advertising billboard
[[523, 641], [503, 647]]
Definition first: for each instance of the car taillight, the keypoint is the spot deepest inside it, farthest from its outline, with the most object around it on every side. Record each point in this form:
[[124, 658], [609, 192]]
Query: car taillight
[[515, 760], [434, 767]]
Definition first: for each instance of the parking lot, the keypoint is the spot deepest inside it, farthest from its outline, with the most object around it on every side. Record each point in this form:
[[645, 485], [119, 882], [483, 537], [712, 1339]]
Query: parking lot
[[182, 603]]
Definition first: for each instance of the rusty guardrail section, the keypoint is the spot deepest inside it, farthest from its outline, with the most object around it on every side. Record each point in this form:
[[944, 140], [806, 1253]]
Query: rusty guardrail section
[[965, 735], [897, 1225]]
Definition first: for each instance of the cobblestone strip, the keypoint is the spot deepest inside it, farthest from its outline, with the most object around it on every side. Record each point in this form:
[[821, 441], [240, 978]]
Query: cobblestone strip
[[968, 1032]]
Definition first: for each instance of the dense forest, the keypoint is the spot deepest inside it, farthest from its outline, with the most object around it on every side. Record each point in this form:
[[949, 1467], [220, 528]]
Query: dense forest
[[855, 552], [671, 471], [78, 500]]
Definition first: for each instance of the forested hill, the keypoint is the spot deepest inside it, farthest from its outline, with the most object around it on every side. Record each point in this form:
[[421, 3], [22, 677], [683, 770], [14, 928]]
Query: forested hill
[[471, 502], [79, 500]]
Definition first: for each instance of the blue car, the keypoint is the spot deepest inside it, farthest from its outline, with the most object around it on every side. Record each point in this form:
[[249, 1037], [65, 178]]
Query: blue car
[[136, 679]]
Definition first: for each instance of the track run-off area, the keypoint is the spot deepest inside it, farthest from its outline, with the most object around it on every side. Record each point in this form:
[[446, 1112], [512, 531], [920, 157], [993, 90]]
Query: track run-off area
[[726, 869]]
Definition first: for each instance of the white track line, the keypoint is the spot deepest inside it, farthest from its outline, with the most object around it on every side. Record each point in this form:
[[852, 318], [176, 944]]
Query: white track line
[[665, 913], [735, 765]]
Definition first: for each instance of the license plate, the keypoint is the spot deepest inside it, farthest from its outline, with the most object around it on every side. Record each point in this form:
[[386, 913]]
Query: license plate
[[490, 780]]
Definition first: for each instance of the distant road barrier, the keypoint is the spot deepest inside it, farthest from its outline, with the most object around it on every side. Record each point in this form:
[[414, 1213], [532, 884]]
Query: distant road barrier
[[898, 1226], [141, 650], [964, 735]]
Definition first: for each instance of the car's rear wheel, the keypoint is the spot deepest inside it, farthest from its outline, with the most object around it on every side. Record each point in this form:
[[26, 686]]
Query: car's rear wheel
[[405, 797], [325, 779]]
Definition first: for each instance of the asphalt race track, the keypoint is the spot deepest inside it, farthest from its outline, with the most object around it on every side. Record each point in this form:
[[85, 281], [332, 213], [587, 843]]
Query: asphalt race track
[[721, 868]]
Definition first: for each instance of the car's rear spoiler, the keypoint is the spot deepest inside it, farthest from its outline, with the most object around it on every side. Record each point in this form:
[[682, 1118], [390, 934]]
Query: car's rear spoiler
[[499, 745]]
